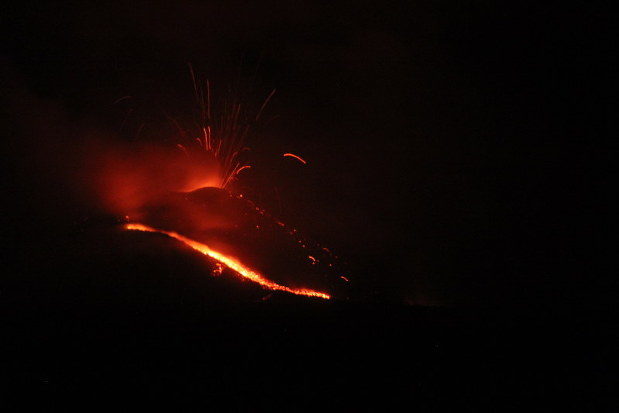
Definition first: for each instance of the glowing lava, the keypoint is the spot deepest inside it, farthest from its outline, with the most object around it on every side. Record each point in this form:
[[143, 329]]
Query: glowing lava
[[229, 262], [297, 157]]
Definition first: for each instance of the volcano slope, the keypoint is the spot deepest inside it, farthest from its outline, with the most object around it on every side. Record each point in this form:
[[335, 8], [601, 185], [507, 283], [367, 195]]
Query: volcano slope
[[94, 313]]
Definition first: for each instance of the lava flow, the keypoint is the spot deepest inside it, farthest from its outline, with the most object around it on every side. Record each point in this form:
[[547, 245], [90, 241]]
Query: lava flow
[[229, 262]]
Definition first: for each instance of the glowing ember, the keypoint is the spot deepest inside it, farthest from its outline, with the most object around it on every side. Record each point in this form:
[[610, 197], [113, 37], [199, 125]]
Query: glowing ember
[[297, 157], [219, 269], [229, 262]]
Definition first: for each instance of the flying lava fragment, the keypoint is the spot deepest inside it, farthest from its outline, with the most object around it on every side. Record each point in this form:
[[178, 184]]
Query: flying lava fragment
[[297, 157]]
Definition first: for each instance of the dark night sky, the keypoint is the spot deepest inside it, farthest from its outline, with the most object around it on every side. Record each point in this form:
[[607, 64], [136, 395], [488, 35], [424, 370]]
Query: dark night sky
[[451, 144]]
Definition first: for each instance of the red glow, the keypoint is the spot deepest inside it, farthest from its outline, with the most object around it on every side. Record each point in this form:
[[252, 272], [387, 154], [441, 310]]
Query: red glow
[[125, 177], [232, 263]]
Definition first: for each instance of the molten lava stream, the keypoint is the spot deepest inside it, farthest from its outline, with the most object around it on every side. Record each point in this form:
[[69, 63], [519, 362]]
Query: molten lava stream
[[229, 262]]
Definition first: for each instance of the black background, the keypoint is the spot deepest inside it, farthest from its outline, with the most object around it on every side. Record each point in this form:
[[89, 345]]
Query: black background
[[456, 161]]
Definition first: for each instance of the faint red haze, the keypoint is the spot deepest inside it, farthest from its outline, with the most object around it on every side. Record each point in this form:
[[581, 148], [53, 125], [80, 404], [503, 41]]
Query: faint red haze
[[126, 177]]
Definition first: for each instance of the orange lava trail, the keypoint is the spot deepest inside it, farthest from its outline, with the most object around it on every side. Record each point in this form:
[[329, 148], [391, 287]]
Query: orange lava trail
[[297, 157], [229, 262], [238, 171]]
